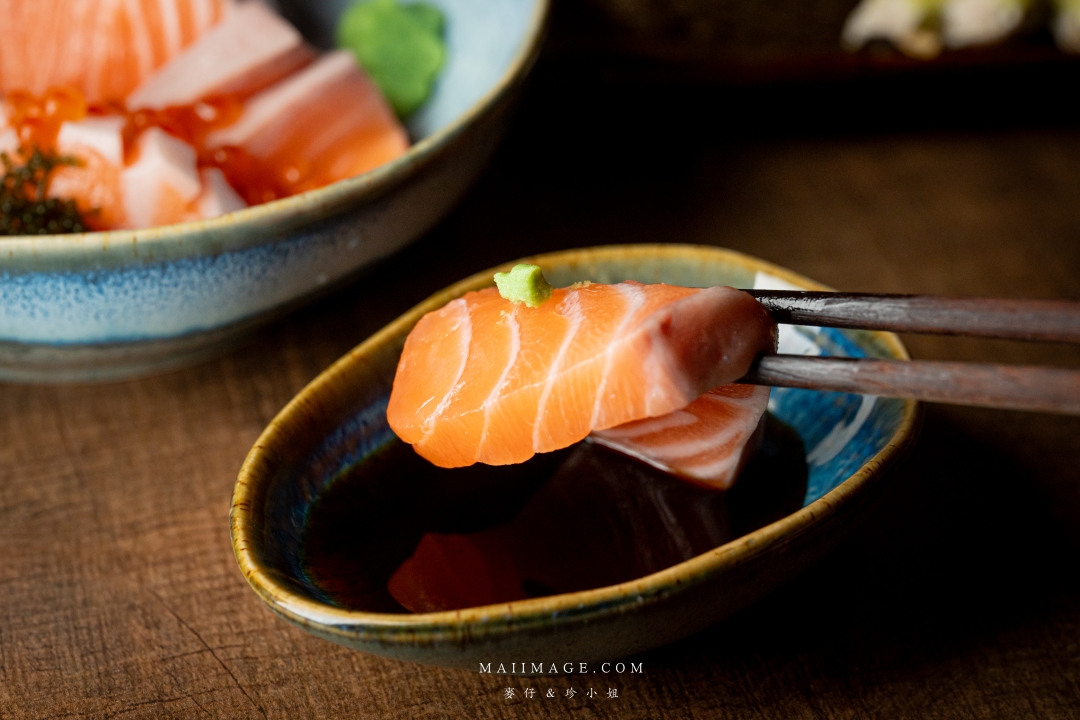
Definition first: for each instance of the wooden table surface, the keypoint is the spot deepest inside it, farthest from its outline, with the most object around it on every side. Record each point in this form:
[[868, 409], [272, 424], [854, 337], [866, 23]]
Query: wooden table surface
[[119, 595]]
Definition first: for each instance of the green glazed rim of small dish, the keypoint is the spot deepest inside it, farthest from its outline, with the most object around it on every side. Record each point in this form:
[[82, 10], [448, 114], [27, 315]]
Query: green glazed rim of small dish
[[263, 223], [516, 616]]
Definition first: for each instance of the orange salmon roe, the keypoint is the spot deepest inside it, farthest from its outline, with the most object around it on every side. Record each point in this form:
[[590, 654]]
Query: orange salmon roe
[[37, 118], [251, 178]]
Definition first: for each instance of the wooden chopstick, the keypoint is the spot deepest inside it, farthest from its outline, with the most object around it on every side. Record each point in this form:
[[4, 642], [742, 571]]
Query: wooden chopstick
[[1016, 387], [1038, 320]]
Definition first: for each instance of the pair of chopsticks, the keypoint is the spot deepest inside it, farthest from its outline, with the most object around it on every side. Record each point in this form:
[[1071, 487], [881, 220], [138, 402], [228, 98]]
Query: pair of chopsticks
[[1018, 387]]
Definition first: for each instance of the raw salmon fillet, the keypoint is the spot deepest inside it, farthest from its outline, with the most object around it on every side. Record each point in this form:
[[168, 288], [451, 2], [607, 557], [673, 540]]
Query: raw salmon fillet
[[708, 441], [106, 48], [486, 380], [251, 49], [324, 123]]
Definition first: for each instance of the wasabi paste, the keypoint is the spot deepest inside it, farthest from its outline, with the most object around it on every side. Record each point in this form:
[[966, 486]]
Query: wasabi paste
[[524, 284], [400, 46]]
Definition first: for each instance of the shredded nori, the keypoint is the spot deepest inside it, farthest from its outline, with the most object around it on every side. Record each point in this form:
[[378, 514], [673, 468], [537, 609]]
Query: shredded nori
[[24, 208]]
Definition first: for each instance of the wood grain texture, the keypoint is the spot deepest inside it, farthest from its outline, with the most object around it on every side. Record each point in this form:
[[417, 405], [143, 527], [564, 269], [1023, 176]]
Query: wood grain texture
[[1012, 387], [119, 596], [1032, 320]]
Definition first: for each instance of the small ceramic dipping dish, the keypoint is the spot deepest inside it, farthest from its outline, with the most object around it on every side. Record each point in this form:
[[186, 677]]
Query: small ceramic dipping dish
[[576, 556], [112, 304]]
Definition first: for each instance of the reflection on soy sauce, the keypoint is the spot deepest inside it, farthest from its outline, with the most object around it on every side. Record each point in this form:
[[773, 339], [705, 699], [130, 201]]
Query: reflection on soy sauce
[[397, 534]]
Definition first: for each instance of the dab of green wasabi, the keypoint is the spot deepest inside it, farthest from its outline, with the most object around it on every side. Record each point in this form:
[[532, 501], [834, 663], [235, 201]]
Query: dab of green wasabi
[[524, 284], [400, 46]]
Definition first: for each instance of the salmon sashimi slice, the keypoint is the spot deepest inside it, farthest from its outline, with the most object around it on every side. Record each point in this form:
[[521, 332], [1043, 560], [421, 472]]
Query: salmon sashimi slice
[[106, 48], [251, 49], [324, 123], [94, 184], [486, 380], [160, 187], [708, 441]]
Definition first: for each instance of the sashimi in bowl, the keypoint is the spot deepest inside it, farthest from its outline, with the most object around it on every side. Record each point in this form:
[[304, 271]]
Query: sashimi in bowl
[[578, 555], [138, 299]]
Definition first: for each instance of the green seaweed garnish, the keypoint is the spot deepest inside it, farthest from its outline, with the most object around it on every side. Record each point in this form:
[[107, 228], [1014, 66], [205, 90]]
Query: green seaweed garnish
[[24, 207], [400, 46], [524, 284]]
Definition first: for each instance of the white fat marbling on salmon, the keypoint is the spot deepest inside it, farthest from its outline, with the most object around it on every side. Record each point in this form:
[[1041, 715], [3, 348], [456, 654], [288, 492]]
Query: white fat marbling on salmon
[[97, 41], [723, 468], [140, 37], [272, 105], [500, 385], [693, 446], [463, 328], [635, 298], [103, 47], [571, 308], [658, 363], [664, 376], [708, 441], [675, 419], [171, 31]]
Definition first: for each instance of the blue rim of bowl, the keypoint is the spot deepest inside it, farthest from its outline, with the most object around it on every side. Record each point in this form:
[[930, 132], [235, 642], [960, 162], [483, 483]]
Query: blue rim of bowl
[[583, 606], [297, 210]]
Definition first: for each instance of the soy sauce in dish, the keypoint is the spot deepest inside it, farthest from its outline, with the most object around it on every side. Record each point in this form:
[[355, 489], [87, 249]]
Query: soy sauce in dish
[[397, 534]]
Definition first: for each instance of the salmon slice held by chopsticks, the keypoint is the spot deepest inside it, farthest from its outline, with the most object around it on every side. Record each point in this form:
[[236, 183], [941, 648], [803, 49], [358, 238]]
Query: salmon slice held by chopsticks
[[486, 380]]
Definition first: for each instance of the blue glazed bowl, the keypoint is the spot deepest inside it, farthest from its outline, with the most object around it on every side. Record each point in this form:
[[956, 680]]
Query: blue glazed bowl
[[339, 420], [113, 304]]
